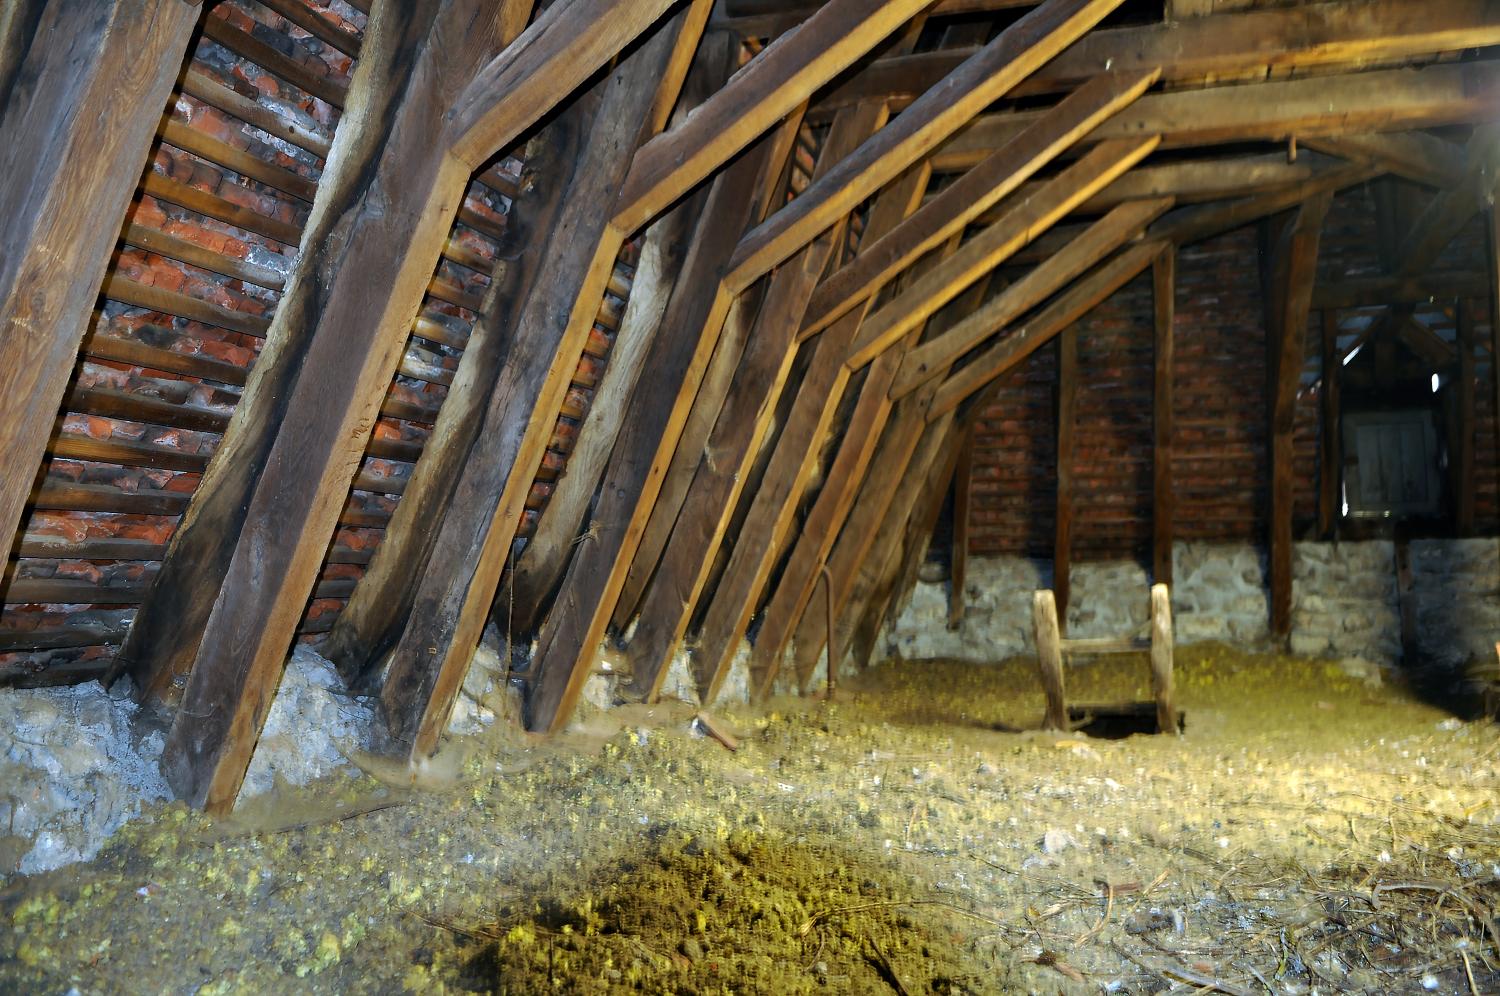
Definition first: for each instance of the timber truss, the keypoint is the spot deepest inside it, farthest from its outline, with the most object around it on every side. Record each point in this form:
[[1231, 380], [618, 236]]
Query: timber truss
[[814, 236]]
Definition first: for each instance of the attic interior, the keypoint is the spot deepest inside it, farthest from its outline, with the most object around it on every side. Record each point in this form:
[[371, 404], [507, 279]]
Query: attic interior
[[952, 496]]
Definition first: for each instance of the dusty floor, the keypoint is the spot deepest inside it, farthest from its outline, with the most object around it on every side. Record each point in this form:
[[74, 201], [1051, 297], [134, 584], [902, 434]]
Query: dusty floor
[[1309, 833]]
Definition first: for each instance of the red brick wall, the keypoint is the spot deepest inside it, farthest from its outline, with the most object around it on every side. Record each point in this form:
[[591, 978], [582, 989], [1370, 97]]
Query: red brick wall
[[1220, 460], [83, 630]]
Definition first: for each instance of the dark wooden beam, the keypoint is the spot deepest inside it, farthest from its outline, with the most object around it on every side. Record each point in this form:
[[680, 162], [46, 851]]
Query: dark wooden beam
[[987, 249], [1081, 297], [759, 540], [932, 360], [1414, 155], [494, 461], [1448, 212], [859, 484], [963, 92], [1251, 45], [963, 487], [1163, 499], [83, 84], [1387, 100], [1294, 270], [1464, 388], [677, 359], [1330, 440], [1067, 422], [988, 185], [775, 82], [1363, 292], [241, 565]]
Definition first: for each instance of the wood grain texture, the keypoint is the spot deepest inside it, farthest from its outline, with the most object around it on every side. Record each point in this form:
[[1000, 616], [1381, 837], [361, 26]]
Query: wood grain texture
[[773, 84], [1067, 426], [1295, 269], [1387, 100], [978, 190], [458, 583], [746, 410], [82, 86], [1163, 412], [987, 249], [696, 312], [946, 106]]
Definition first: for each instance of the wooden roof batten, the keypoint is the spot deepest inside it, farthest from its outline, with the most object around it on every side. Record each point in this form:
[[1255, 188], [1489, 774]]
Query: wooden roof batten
[[882, 287]]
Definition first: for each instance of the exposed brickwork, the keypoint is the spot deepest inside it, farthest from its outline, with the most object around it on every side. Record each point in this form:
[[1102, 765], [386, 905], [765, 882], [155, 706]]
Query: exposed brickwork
[[201, 365], [1220, 462]]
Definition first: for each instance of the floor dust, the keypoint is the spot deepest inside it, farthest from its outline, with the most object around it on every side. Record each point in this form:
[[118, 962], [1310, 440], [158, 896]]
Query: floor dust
[[1311, 831]]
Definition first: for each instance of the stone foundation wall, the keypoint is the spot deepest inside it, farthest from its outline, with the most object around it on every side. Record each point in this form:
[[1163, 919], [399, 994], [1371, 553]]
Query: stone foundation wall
[[1345, 602], [1456, 596]]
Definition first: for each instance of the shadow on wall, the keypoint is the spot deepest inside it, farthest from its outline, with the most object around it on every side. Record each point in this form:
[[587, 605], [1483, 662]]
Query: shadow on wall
[[1455, 593]]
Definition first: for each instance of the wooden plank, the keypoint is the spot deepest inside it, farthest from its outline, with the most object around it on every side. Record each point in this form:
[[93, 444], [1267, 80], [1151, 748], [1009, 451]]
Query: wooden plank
[[932, 359], [856, 493], [243, 561], [371, 624], [969, 88], [1296, 268], [1106, 645], [491, 475], [319, 27], [1067, 424], [246, 164], [1249, 45], [1362, 292], [714, 387], [1494, 232], [1083, 296], [972, 195], [216, 94], [744, 419], [193, 254], [1414, 155], [992, 246], [1388, 100], [127, 291], [1330, 441], [563, 47], [542, 563], [653, 420], [775, 82], [215, 207], [1163, 501], [764, 531], [963, 487], [1194, 224], [78, 109], [1162, 677]]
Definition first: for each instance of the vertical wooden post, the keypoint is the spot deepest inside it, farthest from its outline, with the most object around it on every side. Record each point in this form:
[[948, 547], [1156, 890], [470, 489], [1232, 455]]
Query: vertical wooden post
[[1495, 321], [1161, 658], [963, 479], [82, 86], [1330, 444], [1463, 447], [1294, 269], [1067, 403], [1163, 499], [1049, 658]]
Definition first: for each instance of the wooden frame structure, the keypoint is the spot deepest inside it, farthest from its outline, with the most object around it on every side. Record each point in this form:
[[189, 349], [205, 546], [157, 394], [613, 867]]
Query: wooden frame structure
[[709, 296], [1052, 651]]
